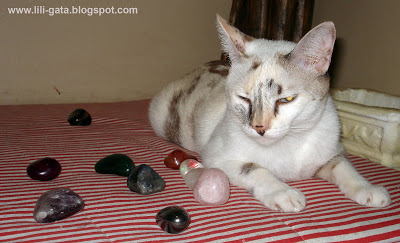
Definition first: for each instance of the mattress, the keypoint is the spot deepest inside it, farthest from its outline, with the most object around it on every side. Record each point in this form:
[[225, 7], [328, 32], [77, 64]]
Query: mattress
[[113, 213]]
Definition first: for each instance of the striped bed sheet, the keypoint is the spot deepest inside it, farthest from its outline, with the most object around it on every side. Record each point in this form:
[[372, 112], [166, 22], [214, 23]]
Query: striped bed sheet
[[113, 213]]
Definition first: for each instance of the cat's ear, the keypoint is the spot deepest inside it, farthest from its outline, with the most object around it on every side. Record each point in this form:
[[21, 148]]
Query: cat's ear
[[233, 41], [314, 50]]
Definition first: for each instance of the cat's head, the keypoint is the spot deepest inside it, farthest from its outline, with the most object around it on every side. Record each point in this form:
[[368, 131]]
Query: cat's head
[[274, 87]]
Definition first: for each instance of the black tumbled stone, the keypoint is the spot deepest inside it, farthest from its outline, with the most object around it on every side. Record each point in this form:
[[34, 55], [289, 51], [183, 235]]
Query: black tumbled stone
[[80, 117], [173, 219], [144, 180], [57, 204], [44, 169], [118, 164]]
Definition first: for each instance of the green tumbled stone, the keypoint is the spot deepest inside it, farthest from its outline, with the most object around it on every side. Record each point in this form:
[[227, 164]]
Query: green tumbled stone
[[118, 164]]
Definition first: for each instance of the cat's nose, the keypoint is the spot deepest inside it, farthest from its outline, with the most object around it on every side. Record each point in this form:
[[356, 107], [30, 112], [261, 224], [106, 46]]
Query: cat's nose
[[260, 129]]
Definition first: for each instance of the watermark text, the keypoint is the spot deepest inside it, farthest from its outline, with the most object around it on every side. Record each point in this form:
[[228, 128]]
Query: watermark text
[[74, 10]]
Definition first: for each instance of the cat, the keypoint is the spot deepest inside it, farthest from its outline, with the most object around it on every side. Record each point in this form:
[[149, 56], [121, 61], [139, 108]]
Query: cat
[[265, 118]]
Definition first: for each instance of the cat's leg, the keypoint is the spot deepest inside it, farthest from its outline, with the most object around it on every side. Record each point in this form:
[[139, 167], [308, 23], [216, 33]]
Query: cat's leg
[[264, 186], [339, 171]]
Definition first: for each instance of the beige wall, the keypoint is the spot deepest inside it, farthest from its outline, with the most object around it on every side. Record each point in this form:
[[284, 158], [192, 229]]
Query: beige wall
[[107, 58], [126, 57], [368, 45]]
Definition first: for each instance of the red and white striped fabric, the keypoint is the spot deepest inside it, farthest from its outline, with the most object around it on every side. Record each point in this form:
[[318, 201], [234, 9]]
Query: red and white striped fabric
[[113, 213]]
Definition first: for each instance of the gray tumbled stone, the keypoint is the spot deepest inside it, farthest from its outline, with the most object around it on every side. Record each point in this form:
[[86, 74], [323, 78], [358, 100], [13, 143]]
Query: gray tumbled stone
[[57, 204], [144, 180]]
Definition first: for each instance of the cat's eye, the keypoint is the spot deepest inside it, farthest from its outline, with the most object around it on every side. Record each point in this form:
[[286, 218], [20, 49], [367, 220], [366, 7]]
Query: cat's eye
[[245, 99], [287, 99]]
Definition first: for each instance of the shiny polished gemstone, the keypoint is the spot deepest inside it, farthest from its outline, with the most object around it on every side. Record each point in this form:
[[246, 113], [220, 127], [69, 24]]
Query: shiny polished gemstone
[[57, 204], [192, 177], [188, 165], [176, 157], [212, 187], [80, 117], [173, 219], [44, 169], [144, 180], [118, 164]]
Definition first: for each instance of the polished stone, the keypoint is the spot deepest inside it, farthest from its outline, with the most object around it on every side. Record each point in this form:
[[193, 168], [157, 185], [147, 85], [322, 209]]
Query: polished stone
[[57, 204], [80, 117], [118, 164], [173, 219], [176, 157], [44, 169], [212, 187], [144, 180], [192, 177], [188, 165]]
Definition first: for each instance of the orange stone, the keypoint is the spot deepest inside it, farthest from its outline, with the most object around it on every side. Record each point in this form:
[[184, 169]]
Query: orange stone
[[175, 158]]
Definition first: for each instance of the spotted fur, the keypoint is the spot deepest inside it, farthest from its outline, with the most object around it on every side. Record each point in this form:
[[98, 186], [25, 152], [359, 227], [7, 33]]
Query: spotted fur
[[248, 168], [265, 118]]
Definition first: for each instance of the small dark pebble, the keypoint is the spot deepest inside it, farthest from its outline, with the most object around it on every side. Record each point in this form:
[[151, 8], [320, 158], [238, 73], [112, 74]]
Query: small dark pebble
[[144, 180], [57, 204], [173, 219], [44, 169], [118, 164], [80, 117]]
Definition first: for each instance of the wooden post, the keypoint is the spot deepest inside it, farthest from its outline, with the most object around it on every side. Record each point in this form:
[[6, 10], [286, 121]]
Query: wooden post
[[273, 19]]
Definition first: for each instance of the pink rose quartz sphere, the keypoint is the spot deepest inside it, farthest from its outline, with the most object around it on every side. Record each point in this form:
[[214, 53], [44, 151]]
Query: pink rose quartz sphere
[[212, 187]]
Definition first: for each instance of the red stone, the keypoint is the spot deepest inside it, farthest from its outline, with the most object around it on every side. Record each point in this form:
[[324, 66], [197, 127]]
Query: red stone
[[175, 158]]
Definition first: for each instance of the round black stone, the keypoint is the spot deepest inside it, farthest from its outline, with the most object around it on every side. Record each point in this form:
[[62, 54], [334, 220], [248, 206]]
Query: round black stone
[[173, 219], [80, 117]]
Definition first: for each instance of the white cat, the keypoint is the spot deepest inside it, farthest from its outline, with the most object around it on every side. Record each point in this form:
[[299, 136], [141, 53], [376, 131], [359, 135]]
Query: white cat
[[264, 119]]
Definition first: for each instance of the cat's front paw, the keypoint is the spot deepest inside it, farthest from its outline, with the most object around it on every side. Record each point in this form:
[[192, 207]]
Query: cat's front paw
[[372, 196], [287, 200]]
